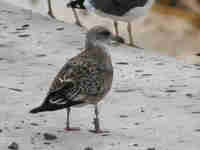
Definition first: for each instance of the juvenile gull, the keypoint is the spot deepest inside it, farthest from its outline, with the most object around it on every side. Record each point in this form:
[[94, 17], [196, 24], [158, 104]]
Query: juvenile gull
[[84, 79], [118, 10]]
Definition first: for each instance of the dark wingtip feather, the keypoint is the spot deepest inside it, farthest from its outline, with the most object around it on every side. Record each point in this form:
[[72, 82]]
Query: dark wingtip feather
[[36, 110]]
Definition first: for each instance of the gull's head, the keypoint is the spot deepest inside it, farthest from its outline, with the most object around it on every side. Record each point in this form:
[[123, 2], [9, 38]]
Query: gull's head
[[99, 35]]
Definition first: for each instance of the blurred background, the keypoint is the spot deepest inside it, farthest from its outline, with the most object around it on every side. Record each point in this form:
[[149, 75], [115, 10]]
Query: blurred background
[[172, 27]]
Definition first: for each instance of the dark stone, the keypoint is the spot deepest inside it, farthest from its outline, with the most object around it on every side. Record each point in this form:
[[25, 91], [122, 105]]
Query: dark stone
[[197, 130], [24, 35], [25, 26], [137, 123], [0, 57], [60, 28], [17, 127], [123, 116], [88, 148], [170, 91], [151, 148], [146, 75], [47, 143], [13, 146], [122, 63], [189, 95], [196, 112], [34, 124], [49, 136], [139, 70], [15, 89], [41, 55]]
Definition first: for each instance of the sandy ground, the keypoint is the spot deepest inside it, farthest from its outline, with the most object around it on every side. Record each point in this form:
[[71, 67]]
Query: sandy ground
[[154, 102], [168, 35]]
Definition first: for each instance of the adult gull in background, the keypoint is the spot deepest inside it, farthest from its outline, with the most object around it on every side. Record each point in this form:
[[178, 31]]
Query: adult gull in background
[[118, 10], [84, 79]]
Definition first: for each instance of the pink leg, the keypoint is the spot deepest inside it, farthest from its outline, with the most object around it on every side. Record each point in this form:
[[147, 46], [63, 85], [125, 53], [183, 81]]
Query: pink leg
[[68, 128], [131, 42], [96, 122]]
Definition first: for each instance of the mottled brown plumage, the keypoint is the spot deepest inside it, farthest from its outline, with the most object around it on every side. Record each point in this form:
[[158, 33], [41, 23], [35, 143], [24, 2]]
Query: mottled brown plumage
[[84, 79]]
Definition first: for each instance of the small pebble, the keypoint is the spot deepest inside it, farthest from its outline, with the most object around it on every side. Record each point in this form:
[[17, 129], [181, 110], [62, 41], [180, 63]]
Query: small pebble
[[41, 55], [48, 136], [196, 112], [160, 64], [170, 91], [60, 28], [151, 148], [123, 116], [189, 95], [146, 75], [47, 143], [25, 26], [13, 146], [34, 124], [19, 29], [139, 70], [18, 127], [197, 130], [122, 63], [4, 45], [15, 89], [141, 109], [24, 35], [135, 145], [197, 65], [88, 148], [1, 130], [5, 27], [137, 123]]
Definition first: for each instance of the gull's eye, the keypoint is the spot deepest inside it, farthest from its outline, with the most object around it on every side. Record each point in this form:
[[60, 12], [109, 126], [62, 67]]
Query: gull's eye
[[105, 33]]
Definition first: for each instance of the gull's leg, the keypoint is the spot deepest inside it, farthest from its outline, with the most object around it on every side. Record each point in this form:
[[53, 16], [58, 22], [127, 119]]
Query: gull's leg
[[68, 122], [116, 28], [131, 42], [118, 38], [76, 17], [50, 11], [97, 122]]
